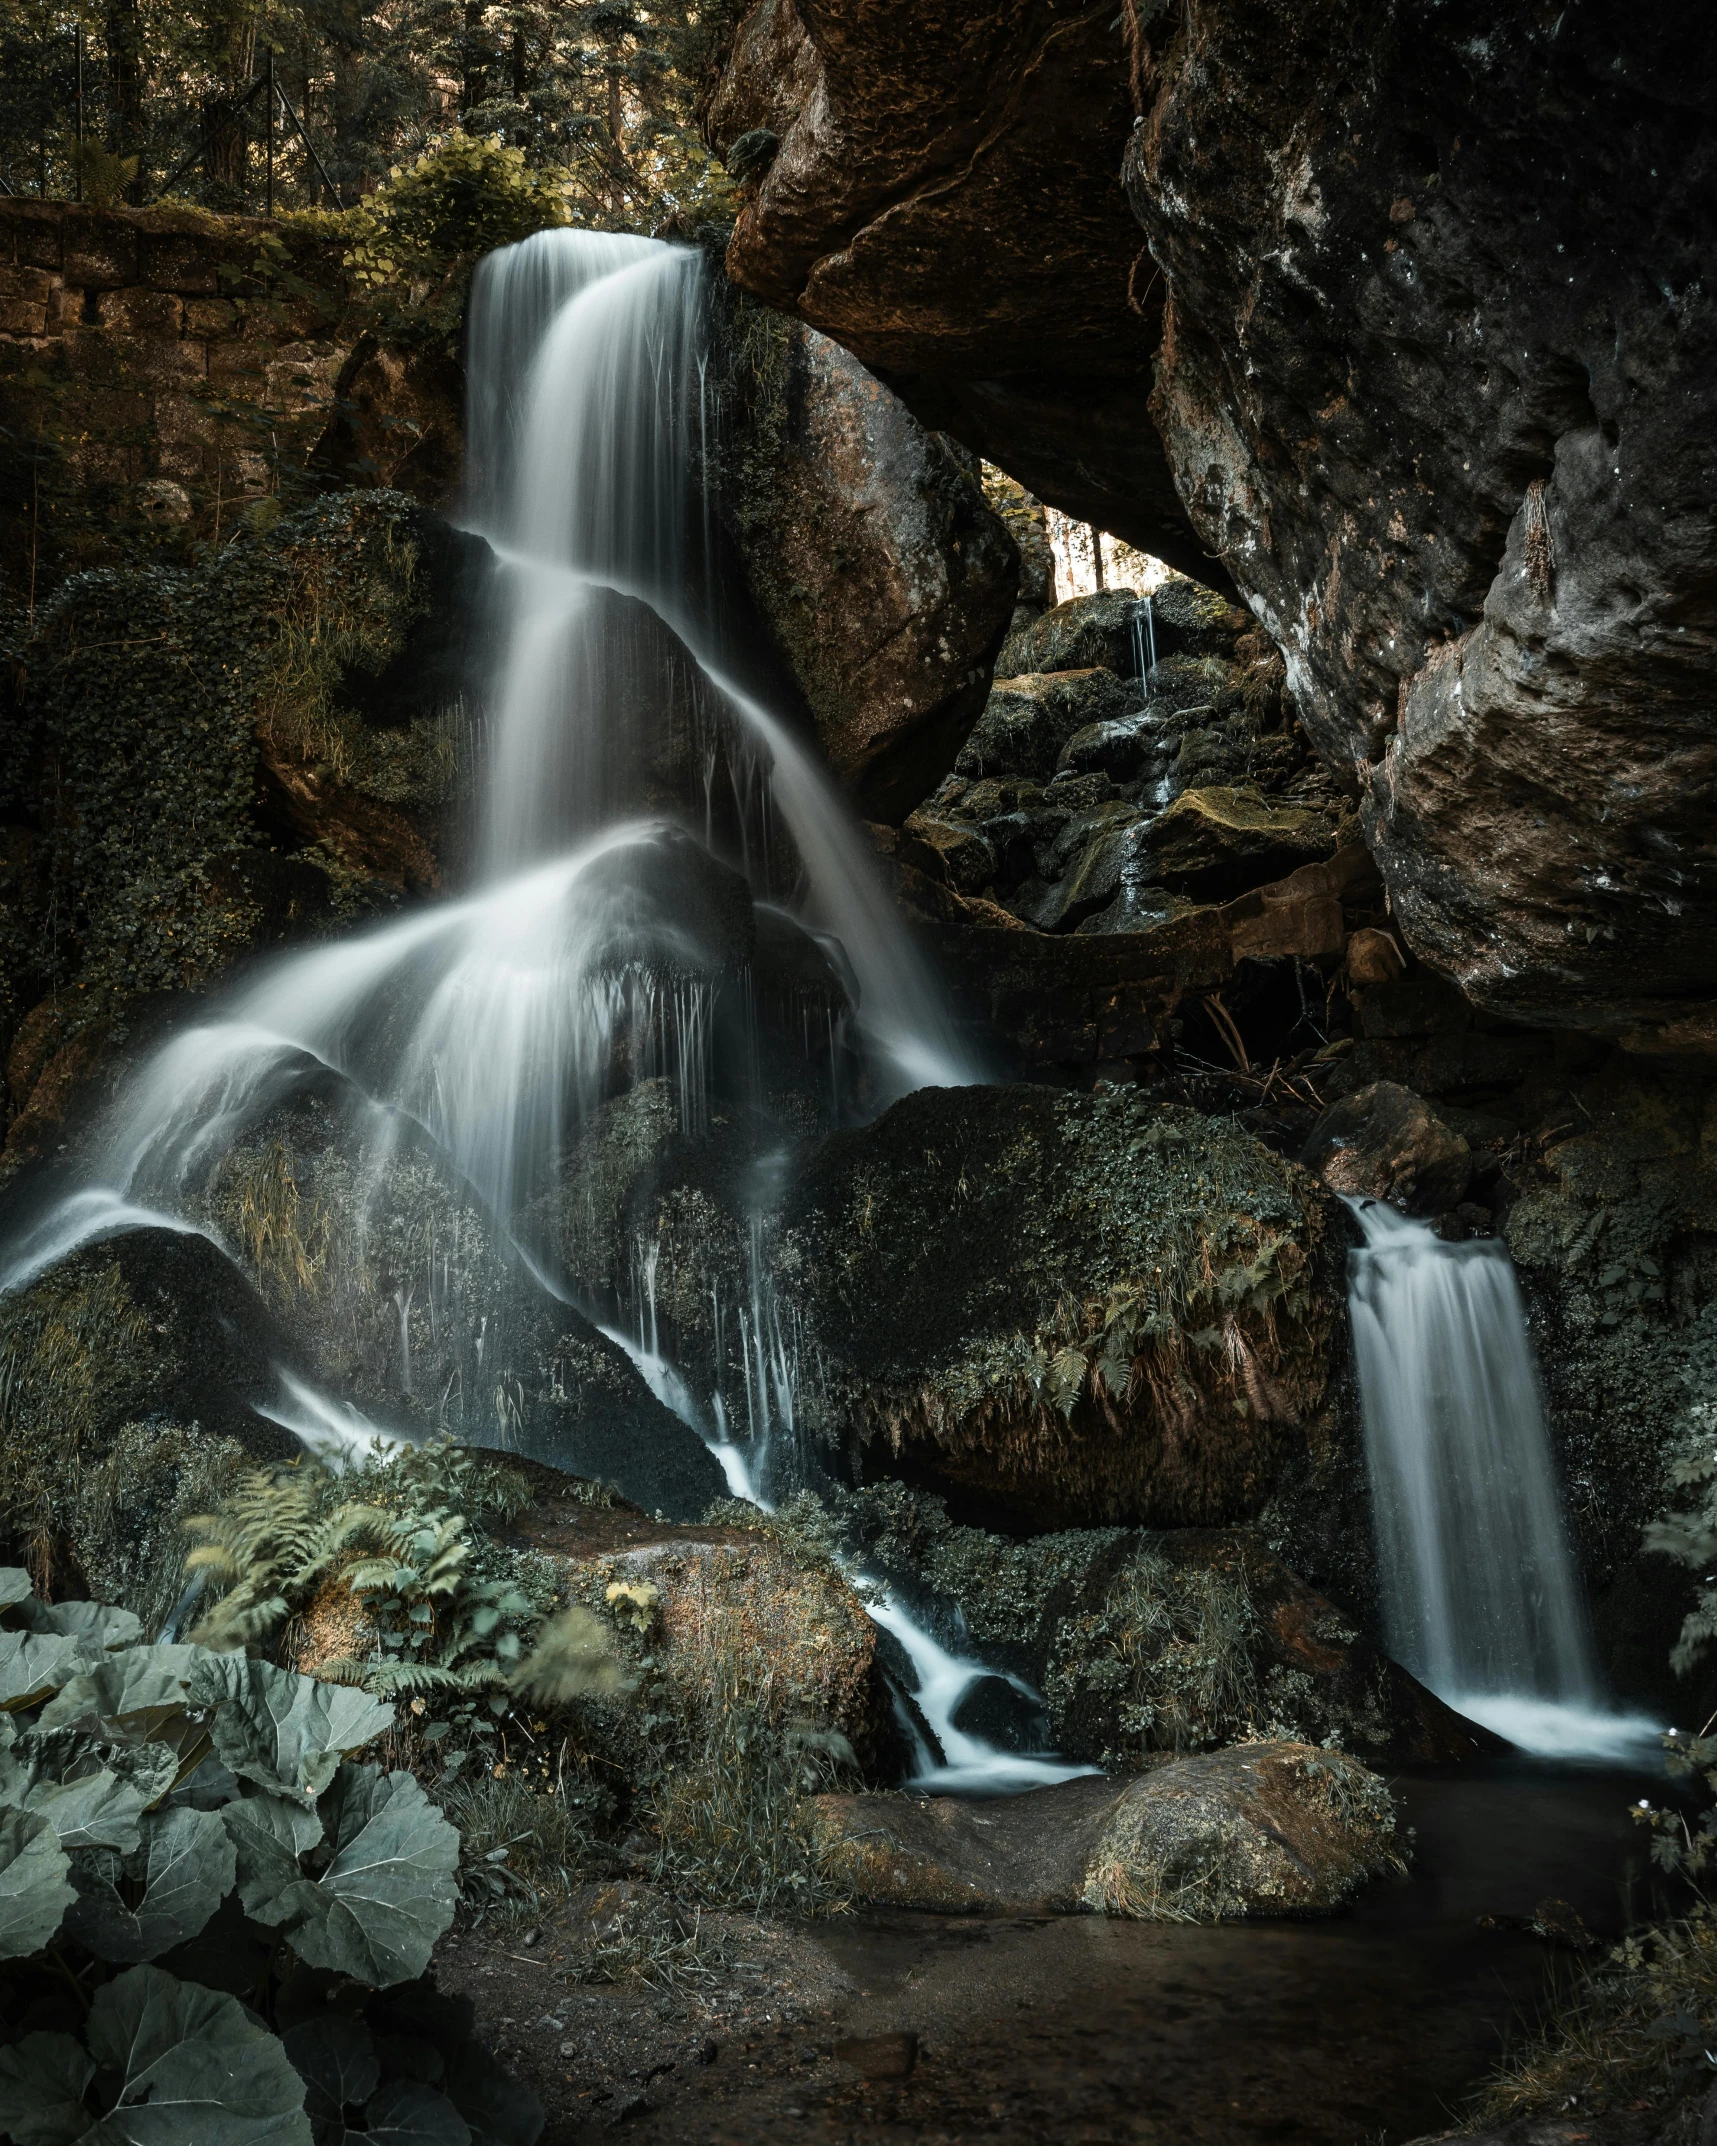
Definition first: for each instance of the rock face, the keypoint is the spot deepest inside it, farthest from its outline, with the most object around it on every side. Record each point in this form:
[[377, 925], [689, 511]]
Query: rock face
[[1439, 393], [1265, 1829], [1487, 559], [881, 572], [942, 201], [1083, 1307], [1105, 793]]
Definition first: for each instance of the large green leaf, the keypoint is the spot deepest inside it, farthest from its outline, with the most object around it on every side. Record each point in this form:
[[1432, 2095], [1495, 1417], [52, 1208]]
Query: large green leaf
[[192, 2068], [187, 1864], [284, 1731], [35, 1889], [92, 1795], [407, 2113], [389, 1892], [42, 2081], [138, 1696], [98, 1622], [336, 2058], [33, 1664], [138, 1681], [14, 1587], [269, 1834]]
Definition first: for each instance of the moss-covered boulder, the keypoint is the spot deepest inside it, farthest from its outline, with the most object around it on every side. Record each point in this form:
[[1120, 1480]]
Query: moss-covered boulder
[[1217, 842], [1027, 720], [1264, 1829], [1081, 1308], [730, 1616], [131, 1370], [401, 1292], [1100, 631]]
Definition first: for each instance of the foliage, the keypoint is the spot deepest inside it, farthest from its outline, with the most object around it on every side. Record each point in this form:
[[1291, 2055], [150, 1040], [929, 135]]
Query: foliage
[[227, 1896], [601, 90], [380, 1578], [422, 233], [528, 1834], [1690, 1536], [1170, 1652]]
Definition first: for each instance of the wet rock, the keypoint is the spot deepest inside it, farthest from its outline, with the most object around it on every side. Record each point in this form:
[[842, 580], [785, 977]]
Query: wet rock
[[1125, 748], [665, 908], [1216, 842], [883, 576], [1094, 1307], [1099, 631], [1270, 1828], [1003, 1715], [1386, 1143], [400, 1293], [1030, 716]]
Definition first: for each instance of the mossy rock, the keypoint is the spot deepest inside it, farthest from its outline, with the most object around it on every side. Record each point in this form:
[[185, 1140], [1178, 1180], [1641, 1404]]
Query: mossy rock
[[1216, 843], [401, 1292], [1028, 719], [1086, 632], [1085, 1308], [153, 1329], [1151, 1641], [1267, 1829]]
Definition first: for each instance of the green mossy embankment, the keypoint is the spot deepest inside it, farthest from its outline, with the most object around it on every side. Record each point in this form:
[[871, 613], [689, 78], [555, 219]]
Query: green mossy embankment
[[206, 760], [1086, 1307]]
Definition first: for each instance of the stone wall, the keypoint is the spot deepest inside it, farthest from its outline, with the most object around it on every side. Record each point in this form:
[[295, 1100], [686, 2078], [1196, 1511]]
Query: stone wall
[[162, 370]]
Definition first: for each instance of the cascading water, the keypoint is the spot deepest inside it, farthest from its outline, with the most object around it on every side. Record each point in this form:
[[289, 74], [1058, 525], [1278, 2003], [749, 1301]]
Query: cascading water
[[630, 783], [1480, 1598]]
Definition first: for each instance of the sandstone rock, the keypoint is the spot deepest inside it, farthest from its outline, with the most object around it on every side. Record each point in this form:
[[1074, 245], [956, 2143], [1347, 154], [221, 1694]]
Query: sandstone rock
[[1386, 1143], [878, 567], [1264, 1829], [1217, 841], [1030, 716], [1090, 1306], [943, 203], [1485, 634], [1429, 406], [1373, 957]]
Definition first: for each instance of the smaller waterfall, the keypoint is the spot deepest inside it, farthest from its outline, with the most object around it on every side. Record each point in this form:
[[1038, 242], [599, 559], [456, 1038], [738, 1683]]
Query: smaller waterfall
[[1480, 1598]]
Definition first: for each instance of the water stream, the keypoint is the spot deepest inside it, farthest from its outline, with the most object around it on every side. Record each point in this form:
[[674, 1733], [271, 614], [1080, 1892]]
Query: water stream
[[591, 937], [1480, 1597]]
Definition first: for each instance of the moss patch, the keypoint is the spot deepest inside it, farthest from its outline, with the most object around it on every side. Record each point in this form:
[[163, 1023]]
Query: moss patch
[[1093, 1307]]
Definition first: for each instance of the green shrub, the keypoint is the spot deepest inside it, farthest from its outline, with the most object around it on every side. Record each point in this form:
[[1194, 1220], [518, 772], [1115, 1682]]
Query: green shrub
[[230, 1918]]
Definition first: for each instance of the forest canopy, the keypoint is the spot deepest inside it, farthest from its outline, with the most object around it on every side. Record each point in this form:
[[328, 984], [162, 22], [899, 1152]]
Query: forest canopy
[[139, 100]]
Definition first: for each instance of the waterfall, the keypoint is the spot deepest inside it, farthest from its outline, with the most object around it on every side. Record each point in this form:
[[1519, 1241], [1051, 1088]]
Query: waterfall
[[592, 936], [1479, 1593]]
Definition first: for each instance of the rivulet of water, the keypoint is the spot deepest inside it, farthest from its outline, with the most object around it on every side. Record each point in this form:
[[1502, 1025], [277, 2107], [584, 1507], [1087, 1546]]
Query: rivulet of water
[[1479, 1591]]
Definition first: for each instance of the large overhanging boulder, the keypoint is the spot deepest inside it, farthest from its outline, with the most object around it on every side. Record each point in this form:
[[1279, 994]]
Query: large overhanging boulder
[[1427, 298], [1071, 1308], [935, 188]]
